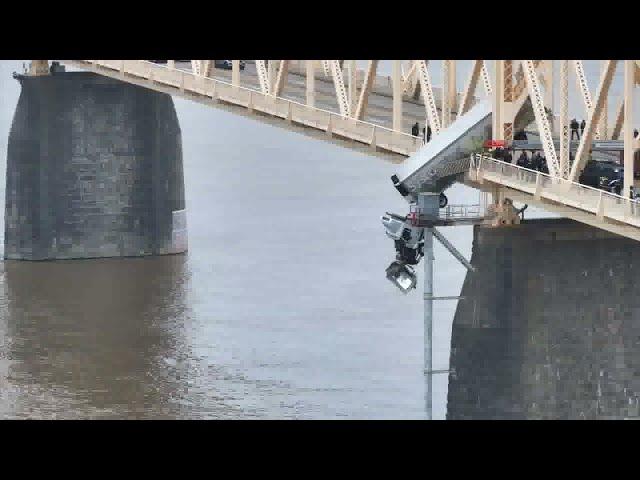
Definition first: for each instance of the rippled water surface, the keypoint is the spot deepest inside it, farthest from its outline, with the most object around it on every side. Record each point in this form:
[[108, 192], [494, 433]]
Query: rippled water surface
[[280, 309]]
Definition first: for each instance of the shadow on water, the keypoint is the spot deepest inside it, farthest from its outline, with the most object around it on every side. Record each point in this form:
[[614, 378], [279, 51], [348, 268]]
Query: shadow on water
[[549, 327], [105, 338]]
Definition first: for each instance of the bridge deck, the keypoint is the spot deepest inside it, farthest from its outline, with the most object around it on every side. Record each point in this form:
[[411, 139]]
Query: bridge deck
[[285, 112], [579, 202]]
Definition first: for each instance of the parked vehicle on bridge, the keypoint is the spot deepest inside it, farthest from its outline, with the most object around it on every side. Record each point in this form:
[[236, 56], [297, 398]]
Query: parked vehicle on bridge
[[228, 64], [606, 175]]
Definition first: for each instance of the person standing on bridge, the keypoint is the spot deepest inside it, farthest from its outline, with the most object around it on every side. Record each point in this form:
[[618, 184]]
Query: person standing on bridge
[[415, 130], [523, 160], [582, 125], [426, 135], [574, 128]]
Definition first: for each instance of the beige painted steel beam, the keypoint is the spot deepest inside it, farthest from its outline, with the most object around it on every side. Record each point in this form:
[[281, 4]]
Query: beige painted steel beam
[[311, 82], [565, 164], [235, 73], [429, 98], [629, 87], [396, 84], [584, 148], [261, 69], [617, 127], [281, 79], [470, 89], [583, 87], [498, 99], [353, 87], [369, 78], [544, 129], [341, 93]]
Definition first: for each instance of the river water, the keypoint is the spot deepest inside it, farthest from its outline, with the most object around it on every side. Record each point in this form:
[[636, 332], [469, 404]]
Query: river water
[[280, 309]]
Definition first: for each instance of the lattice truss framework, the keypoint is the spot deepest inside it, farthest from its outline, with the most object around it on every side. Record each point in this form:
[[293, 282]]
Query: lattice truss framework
[[513, 83]]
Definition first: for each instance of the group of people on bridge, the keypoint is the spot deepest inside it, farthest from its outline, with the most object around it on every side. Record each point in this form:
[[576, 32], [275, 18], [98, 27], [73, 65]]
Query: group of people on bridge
[[533, 161], [574, 126], [426, 132]]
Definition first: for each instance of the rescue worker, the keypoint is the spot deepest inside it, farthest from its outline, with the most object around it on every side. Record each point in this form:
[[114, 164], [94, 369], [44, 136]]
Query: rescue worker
[[415, 130], [507, 157], [536, 161], [635, 132], [542, 165], [574, 128], [523, 160], [582, 125]]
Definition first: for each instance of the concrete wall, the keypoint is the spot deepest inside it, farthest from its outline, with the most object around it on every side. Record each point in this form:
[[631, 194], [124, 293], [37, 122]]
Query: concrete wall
[[94, 169], [550, 326]]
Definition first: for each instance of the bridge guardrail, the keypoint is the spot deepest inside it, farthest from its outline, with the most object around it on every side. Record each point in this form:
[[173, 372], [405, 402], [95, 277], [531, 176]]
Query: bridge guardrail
[[541, 185], [333, 123]]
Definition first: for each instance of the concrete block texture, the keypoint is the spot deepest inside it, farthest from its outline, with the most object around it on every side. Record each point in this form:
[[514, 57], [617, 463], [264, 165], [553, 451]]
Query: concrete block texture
[[549, 326], [94, 169]]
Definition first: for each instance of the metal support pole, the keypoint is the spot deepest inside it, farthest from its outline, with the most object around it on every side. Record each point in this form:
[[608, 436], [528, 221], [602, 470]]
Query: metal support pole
[[397, 96], [604, 116], [446, 92], [352, 74], [565, 165], [498, 92], [311, 82], [428, 320], [235, 73], [549, 91], [629, 84], [271, 75]]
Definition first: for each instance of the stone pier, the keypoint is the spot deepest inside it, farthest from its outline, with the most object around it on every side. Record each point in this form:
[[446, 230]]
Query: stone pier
[[550, 326], [94, 169]]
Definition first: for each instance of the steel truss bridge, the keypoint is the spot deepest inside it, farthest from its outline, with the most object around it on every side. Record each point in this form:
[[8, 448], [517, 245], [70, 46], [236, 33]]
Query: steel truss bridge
[[335, 101]]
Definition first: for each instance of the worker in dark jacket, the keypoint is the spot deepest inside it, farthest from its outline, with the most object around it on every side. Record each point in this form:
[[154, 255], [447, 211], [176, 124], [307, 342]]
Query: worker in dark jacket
[[574, 128], [507, 157], [523, 160], [415, 130], [582, 125]]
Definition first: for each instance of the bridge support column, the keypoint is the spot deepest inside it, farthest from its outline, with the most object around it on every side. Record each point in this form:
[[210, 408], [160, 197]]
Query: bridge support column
[[397, 95], [311, 82], [449, 91], [549, 91], [94, 169], [629, 87], [235, 73], [352, 74], [603, 128]]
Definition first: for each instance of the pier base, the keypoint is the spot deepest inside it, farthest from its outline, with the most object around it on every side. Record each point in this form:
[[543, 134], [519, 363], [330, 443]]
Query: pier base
[[94, 169], [549, 325]]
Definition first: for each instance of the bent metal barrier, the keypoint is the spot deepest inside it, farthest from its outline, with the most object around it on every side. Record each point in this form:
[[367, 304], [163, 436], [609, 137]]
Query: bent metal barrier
[[213, 90], [602, 204]]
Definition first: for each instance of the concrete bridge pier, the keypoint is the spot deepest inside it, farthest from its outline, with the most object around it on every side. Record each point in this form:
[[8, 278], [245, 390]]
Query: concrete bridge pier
[[94, 169], [548, 327]]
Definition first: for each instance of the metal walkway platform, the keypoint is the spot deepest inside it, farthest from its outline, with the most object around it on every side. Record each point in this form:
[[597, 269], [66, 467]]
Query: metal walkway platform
[[588, 205]]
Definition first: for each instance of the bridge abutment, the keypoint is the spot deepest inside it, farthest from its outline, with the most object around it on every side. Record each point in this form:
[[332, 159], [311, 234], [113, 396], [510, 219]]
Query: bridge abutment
[[549, 325], [94, 169]]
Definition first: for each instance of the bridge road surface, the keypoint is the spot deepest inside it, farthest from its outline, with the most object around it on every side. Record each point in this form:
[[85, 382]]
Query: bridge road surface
[[379, 107]]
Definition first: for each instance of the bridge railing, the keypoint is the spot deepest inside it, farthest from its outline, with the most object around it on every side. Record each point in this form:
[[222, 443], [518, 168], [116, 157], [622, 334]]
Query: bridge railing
[[564, 192], [333, 123]]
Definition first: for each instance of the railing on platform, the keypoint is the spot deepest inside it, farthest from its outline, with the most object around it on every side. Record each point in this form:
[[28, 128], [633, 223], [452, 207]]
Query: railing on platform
[[334, 124], [565, 192], [454, 212]]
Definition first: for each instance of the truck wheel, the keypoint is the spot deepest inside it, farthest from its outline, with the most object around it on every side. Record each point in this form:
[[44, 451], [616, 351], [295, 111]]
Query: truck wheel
[[443, 200]]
